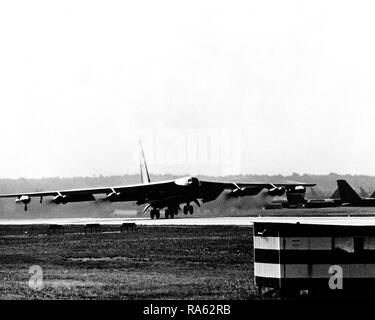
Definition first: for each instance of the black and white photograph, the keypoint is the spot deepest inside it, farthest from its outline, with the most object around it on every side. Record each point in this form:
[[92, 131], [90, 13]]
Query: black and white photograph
[[202, 153]]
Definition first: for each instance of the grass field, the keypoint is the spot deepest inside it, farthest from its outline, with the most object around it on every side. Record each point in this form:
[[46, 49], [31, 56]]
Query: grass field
[[155, 262], [201, 262]]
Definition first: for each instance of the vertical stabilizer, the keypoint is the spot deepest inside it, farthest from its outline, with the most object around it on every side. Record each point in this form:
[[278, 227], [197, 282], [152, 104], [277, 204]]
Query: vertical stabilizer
[[347, 193], [145, 176]]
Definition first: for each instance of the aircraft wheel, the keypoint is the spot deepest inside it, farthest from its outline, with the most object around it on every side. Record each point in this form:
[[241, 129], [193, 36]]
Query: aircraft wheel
[[166, 213], [171, 215], [152, 214], [157, 214], [186, 210], [191, 209]]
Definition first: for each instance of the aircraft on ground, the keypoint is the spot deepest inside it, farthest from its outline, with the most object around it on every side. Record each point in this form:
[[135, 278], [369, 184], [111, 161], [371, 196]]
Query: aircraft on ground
[[164, 194], [351, 198], [333, 201], [297, 200]]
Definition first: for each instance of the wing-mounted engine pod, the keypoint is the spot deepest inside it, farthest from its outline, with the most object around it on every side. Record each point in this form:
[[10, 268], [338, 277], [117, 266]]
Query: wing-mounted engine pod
[[237, 192], [113, 196], [23, 199], [67, 198], [60, 199], [300, 189], [276, 191], [245, 191], [296, 189]]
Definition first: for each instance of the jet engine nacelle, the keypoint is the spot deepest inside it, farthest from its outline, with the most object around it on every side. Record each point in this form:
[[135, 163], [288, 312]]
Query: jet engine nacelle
[[245, 191], [237, 192], [277, 191], [300, 189], [241, 192], [23, 199], [296, 189], [60, 199], [112, 196]]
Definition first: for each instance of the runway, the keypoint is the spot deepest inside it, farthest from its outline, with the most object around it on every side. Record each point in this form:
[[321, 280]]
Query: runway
[[238, 221]]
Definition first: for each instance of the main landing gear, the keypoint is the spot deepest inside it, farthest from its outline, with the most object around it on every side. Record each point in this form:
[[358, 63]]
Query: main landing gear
[[188, 209], [170, 213], [155, 213]]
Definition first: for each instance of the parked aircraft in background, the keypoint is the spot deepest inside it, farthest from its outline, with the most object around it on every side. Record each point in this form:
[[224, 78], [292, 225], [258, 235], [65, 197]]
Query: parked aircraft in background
[[333, 201], [343, 195], [297, 200], [351, 198], [165, 194]]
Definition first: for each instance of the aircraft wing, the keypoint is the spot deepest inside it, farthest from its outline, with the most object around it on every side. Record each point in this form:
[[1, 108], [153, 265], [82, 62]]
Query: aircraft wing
[[267, 185], [212, 189], [130, 189], [159, 194], [157, 187]]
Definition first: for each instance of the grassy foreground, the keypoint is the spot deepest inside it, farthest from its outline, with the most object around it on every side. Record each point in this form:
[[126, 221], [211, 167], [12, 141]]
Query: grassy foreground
[[166, 262]]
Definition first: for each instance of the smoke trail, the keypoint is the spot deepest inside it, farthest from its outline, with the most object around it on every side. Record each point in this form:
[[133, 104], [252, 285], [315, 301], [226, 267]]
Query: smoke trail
[[226, 203]]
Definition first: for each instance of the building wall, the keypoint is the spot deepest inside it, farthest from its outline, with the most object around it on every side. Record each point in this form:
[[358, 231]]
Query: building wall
[[304, 260]]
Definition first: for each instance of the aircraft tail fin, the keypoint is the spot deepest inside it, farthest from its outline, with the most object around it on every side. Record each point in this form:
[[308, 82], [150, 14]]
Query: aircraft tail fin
[[145, 176], [347, 193]]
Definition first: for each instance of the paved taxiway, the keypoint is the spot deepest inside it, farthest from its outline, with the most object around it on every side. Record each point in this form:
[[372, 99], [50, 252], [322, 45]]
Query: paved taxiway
[[239, 221]]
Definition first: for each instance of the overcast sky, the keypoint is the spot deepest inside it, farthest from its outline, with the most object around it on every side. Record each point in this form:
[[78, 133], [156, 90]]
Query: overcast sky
[[211, 87]]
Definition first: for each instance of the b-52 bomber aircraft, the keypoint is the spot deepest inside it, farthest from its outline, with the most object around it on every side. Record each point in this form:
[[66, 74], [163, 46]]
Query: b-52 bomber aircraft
[[159, 195], [351, 198]]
